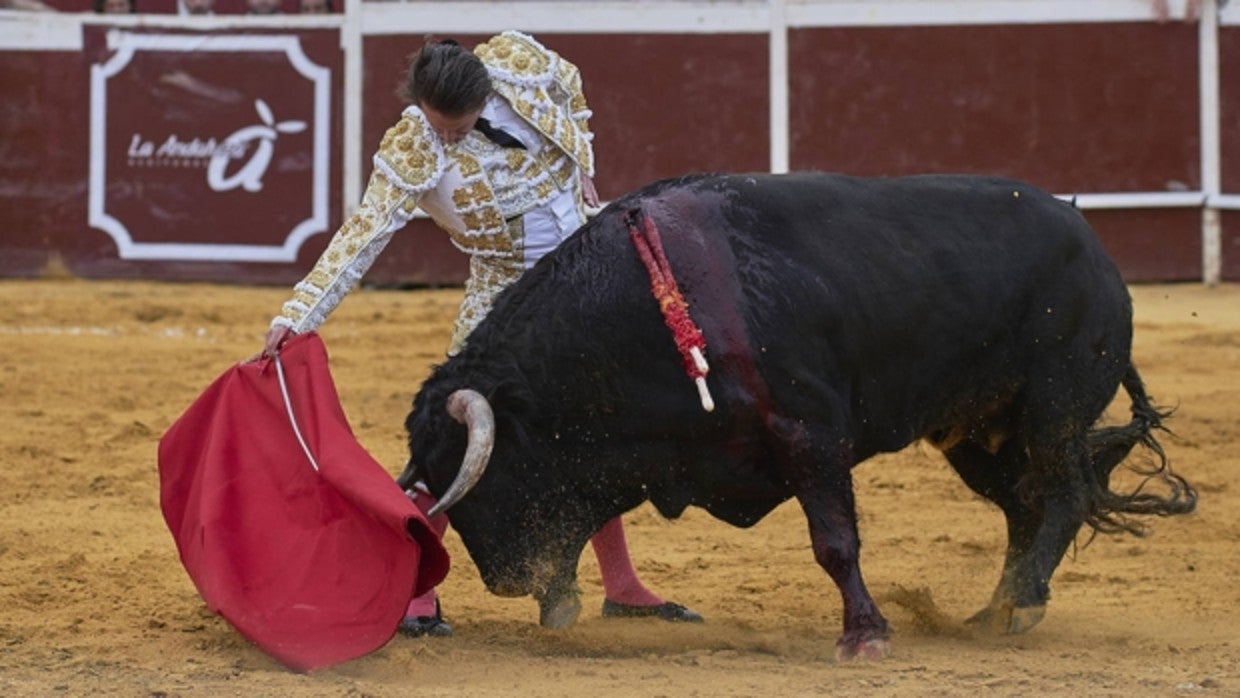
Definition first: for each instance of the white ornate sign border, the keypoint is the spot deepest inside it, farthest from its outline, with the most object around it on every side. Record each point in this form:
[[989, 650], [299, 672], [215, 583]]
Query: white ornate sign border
[[126, 44]]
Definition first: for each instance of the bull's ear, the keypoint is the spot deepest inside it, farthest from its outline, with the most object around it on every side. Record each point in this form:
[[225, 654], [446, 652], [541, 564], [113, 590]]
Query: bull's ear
[[515, 409]]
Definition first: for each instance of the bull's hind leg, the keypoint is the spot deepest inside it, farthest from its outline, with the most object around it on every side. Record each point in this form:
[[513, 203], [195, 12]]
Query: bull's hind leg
[[995, 476], [1040, 491]]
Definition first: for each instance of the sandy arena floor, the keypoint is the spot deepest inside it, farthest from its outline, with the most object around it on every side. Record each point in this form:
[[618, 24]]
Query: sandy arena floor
[[93, 599]]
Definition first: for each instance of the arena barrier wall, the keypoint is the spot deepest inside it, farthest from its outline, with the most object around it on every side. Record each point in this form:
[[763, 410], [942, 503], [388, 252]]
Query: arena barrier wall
[[229, 148]]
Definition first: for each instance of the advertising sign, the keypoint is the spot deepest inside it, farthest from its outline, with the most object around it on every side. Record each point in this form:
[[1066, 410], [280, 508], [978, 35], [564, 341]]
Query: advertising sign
[[208, 147]]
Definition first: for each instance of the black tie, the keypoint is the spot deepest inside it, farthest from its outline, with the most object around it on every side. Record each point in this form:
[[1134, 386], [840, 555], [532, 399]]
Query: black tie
[[498, 136]]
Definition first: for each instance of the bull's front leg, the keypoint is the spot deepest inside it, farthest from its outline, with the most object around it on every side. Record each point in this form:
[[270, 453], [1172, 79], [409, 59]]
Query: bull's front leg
[[826, 497], [559, 606], [556, 589]]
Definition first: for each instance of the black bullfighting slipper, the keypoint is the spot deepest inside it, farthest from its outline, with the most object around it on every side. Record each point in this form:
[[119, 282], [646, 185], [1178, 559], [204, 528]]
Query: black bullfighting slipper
[[671, 612], [430, 626]]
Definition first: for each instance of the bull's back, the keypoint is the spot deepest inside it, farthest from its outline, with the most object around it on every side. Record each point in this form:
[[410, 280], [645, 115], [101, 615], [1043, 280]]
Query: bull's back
[[816, 293], [877, 233], [894, 301]]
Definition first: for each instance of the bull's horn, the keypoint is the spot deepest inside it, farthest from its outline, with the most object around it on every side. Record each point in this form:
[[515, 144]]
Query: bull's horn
[[471, 409]]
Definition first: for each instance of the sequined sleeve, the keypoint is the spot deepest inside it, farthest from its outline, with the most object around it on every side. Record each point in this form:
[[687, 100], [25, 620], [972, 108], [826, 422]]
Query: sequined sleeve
[[569, 80], [407, 165]]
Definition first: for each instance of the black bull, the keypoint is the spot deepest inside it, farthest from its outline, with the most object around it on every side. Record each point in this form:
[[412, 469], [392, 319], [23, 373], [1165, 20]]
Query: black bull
[[843, 318]]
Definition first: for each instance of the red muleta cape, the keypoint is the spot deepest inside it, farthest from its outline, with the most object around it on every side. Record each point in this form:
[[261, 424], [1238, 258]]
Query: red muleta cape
[[315, 567]]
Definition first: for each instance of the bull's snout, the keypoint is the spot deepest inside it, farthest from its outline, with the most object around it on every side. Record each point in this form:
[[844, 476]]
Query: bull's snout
[[507, 580]]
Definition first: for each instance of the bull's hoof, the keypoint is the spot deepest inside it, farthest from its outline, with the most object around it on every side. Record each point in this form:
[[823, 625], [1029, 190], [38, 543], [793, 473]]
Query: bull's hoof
[[871, 650], [1007, 620], [559, 613]]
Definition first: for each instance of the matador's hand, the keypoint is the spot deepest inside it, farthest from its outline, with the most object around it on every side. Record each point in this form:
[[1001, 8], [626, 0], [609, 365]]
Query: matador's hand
[[587, 189], [276, 337]]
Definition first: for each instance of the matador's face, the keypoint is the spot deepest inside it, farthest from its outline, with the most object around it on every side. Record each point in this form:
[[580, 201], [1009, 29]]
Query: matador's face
[[451, 129]]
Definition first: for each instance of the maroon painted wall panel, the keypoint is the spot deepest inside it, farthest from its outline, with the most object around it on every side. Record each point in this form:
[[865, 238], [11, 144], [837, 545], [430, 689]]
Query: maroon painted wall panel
[[1151, 245], [42, 158], [1082, 107], [667, 104], [1229, 132], [1229, 106], [1231, 246], [1073, 108], [169, 7]]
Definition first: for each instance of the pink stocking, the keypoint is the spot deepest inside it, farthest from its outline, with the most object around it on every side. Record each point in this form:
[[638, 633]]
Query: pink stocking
[[424, 605], [620, 582]]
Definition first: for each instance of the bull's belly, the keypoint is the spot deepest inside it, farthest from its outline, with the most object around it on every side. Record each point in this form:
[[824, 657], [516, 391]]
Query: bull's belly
[[740, 494]]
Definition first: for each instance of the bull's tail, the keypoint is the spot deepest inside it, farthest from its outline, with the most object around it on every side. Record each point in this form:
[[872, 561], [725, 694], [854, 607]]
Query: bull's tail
[[1109, 446]]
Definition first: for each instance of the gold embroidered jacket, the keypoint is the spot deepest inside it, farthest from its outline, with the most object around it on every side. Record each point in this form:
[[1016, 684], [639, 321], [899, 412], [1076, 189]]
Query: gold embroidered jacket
[[474, 189]]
